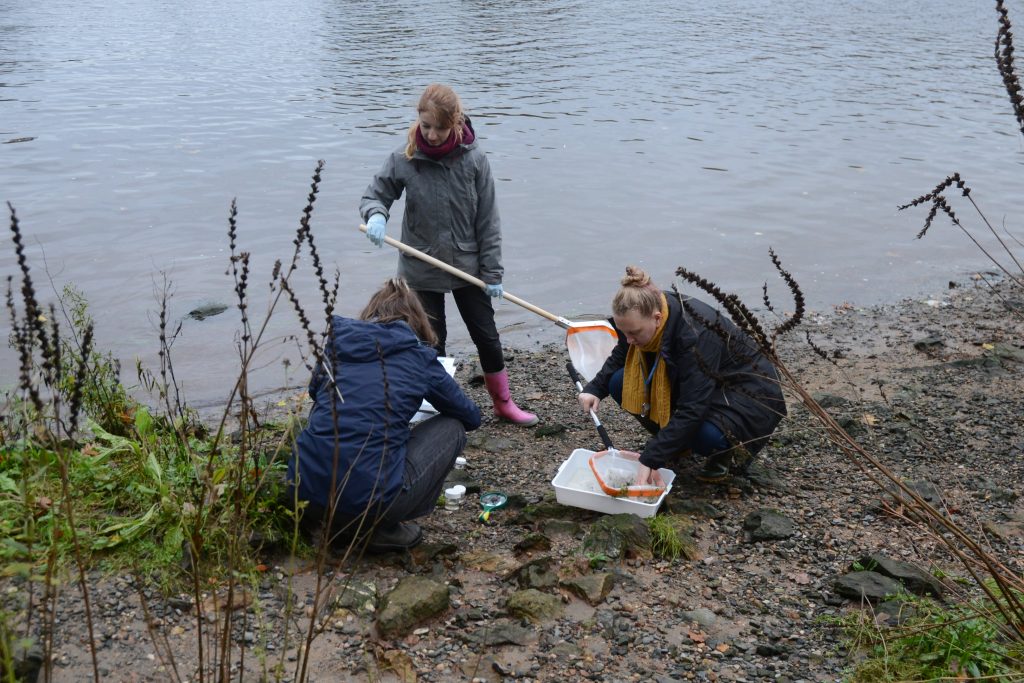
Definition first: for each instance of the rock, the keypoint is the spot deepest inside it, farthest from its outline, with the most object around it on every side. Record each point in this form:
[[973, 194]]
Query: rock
[[533, 541], [532, 514], [534, 574], [865, 585], [702, 616], [593, 588], [978, 363], [493, 562], [560, 527], [913, 578], [762, 477], [553, 429], [693, 506], [204, 311], [358, 596], [27, 660], [931, 343], [830, 400], [927, 490], [534, 605], [1008, 352], [487, 441], [498, 632], [618, 537], [425, 553], [414, 600], [1009, 526], [462, 477], [768, 525], [894, 612]]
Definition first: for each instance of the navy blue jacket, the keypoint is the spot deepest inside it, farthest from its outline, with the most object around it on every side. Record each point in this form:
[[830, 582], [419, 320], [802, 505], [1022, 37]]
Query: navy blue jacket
[[729, 384], [384, 373]]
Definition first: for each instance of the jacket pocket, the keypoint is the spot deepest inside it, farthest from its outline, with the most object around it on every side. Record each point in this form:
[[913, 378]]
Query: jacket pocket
[[467, 256]]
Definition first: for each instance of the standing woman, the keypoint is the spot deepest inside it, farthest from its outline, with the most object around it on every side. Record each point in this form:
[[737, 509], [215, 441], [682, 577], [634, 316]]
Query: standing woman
[[450, 214], [692, 389]]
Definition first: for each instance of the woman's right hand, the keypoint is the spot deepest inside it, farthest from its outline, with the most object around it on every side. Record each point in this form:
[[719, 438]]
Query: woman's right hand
[[589, 402], [375, 228]]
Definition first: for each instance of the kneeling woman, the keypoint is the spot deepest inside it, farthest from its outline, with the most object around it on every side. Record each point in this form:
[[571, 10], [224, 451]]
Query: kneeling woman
[[691, 388], [358, 450]]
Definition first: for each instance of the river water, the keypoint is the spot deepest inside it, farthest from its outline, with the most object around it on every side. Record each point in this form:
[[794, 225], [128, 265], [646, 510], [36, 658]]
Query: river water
[[654, 132]]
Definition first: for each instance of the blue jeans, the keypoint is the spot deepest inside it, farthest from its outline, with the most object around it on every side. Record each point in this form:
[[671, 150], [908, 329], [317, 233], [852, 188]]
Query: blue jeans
[[708, 440]]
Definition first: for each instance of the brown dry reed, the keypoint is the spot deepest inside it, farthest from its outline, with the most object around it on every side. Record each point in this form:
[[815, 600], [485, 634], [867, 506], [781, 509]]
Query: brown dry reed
[[40, 360], [1002, 586], [1005, 63]]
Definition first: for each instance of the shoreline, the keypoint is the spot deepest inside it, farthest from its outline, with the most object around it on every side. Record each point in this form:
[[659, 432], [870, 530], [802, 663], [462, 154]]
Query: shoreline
[[932, 389]]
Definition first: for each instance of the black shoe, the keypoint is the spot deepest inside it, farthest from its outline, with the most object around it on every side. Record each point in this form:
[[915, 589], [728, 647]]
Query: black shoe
[[716, 468], [396, 538]]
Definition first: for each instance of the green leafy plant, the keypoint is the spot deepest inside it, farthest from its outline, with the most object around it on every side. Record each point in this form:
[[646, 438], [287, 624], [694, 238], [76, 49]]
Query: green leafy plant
[[938, 643], [596, 560]]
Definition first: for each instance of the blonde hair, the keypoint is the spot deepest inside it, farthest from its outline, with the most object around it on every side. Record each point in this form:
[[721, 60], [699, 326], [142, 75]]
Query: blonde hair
[[637, 293], [395, 301], [446, 107]]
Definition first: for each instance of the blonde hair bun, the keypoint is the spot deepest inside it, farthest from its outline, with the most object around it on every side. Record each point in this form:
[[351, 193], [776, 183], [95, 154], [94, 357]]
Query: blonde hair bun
[[635, 277]]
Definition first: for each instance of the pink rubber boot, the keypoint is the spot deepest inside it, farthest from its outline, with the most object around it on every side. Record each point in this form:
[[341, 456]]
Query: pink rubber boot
[[504, 406]]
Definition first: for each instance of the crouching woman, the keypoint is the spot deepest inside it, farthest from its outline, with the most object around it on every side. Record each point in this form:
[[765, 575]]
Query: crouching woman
[[691, 377], [358, 450]]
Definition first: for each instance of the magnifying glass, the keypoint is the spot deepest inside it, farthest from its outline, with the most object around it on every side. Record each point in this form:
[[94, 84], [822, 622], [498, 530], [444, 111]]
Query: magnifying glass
[[492, 500]]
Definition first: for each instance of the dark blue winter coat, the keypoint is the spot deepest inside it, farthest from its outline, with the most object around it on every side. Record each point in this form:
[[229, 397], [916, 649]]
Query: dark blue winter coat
[[371, 430]]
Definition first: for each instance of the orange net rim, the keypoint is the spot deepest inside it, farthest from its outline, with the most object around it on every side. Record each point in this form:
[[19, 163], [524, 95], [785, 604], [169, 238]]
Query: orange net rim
[[623, 491]]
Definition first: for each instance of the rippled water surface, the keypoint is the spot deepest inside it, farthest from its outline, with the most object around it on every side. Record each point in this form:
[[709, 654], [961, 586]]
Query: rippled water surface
[[659, 133]]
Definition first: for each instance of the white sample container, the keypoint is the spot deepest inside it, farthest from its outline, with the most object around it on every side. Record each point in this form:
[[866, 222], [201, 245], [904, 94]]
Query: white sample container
[[576, 485], [454, 496]]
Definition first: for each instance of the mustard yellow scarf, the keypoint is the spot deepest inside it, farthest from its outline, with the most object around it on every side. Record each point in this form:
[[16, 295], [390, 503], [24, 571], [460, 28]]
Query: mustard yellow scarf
[[636, 373]]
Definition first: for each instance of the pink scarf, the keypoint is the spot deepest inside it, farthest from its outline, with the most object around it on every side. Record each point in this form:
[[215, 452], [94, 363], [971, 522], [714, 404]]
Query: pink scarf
[[436, 152]]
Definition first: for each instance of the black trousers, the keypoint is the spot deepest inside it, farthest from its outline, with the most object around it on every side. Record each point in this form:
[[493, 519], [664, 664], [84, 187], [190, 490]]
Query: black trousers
[[477, 312]]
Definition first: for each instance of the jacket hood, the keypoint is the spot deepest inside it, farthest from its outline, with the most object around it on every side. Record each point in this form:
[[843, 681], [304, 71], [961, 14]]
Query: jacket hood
[[357, 340]]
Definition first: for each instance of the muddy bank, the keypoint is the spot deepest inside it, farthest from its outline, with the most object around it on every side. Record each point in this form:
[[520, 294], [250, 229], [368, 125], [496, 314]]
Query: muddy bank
[[932, 388]]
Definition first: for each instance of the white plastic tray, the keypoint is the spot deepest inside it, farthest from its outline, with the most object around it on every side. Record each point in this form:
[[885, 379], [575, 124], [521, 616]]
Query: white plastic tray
[[576, 485]]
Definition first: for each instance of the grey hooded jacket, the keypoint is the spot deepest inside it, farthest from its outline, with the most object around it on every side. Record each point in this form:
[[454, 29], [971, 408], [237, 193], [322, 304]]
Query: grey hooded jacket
[[450, 214]]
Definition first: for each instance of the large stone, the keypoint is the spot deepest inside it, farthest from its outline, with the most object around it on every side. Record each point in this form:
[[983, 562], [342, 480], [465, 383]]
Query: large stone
[[533, 542], [768, 525], [701, 616], [466, 479], [915, 579], [560, 527], [544, 510], [618, 537], [357, 596], [927, 490], [593, 588], [498, 632], [864, 585], [760, 476], [488, 442], [414, 600], [485, 561], [534, 574], [534, 605], [207, 310], [1009, 526]]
